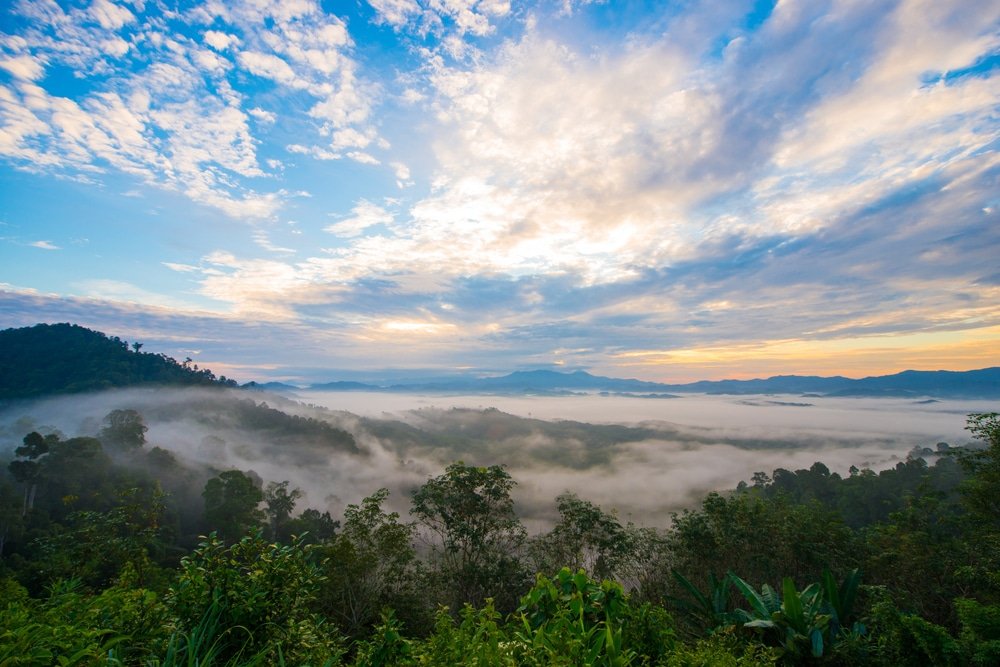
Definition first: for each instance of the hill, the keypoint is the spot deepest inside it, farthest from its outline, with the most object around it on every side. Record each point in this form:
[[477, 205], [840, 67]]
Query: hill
[[977, 384], [66, 358]]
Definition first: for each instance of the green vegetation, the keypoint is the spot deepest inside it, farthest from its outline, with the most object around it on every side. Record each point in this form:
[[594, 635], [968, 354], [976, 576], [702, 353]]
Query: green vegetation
[[101, 563], [94, 571], [66, 358]]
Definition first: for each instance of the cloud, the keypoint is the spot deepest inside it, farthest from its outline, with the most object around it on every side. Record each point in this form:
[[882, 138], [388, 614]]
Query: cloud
[[262, 239], [44, 245], [364, 215], [23, 67], [161, 108], [689, 188], [442, 17], [180, 268], [220, 41]]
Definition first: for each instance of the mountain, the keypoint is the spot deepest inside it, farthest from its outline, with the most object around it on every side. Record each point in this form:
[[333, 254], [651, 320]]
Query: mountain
[[345, 386], [274, 387], [984, 383], [66, 358]]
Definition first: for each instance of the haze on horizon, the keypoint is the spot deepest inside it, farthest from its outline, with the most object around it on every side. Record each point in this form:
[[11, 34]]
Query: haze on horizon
[[673, 192]]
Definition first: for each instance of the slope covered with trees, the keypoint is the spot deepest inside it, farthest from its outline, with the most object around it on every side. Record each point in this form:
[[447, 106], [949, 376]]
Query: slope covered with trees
[[66, 358], [100, 563]]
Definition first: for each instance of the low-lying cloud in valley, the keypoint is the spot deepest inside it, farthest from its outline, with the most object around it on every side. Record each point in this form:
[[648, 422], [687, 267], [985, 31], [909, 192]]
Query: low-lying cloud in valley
[[643, 458]]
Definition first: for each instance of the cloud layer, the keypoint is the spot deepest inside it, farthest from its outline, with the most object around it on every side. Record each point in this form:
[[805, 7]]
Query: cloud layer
[[692, 192]]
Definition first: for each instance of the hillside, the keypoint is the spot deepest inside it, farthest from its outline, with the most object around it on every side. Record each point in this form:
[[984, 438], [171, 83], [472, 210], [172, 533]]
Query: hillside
[[66, 358], [977, 384]]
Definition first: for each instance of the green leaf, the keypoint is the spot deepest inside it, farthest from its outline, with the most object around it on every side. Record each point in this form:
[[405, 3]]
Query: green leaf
[[792, 605], [817, 642], [751, 596]]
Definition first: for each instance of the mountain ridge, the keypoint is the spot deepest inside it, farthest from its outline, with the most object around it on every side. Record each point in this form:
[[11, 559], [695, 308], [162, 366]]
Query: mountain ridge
[[980, 383]]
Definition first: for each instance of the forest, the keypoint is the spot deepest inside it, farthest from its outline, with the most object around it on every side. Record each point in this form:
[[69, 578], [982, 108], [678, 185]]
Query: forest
[[115, 551]]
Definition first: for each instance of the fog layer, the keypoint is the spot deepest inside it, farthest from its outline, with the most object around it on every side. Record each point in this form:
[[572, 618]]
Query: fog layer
[[641, 457]]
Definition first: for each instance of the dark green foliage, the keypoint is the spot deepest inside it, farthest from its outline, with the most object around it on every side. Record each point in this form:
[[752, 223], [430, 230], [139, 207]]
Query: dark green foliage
[[478, 537], [906, 640], [981, 492], [706, 612], [575, 620], [100, 540], [95, 547], [371, 565], [232, 502], [722, 650], [479, 638], [279, 503], [125, 430], [585, 538], [980, 633], [263, 595], [759, 538], [387, 645], [68, 627], [65, 358]]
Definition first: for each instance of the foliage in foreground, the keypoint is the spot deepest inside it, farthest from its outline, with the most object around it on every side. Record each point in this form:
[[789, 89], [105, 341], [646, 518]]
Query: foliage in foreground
[[100, 589]]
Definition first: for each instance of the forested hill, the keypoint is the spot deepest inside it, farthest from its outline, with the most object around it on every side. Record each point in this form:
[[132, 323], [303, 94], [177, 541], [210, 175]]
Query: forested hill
[[66, 358]]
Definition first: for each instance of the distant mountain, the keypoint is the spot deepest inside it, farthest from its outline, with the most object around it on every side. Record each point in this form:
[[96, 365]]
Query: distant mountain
[[345, 386], [66, 358], [276, 387], [984, 383]]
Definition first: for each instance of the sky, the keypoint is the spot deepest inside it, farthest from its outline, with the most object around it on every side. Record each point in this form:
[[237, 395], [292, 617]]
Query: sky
[[299, 190]]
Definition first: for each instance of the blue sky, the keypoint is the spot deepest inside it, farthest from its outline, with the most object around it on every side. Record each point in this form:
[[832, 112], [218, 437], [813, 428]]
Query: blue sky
[[667, 190]]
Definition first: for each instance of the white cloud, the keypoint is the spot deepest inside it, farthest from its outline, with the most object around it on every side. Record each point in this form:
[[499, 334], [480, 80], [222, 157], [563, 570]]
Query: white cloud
[[363, 157], [110, 15], [458, 17], [180, 268], [165, 111], [44, 245], [396, 12], [23, 67], [261, 238], [271, 67], [263, 116], [364, 215], [402, 172], [220, 41]]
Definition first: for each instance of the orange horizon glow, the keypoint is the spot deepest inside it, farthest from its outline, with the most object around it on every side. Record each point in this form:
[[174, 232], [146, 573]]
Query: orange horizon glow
[[853, 357]]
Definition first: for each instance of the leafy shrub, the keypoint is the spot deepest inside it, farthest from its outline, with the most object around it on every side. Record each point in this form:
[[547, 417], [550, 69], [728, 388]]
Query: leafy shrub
[[262, 594]]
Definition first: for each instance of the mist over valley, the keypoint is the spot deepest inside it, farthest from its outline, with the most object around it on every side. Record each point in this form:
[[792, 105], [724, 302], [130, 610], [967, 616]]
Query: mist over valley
[[640, 457]]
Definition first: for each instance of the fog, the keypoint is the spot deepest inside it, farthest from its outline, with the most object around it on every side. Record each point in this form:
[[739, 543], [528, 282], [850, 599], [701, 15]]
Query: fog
[[764, 414], [643, 458]]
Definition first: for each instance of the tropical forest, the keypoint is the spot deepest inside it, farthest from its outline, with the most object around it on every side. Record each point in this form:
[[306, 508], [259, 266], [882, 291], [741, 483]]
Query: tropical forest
[[116, 551]]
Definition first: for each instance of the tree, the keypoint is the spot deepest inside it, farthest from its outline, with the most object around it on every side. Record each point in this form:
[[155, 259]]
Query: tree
[[279, 503], [27, 470], [125, 430], [232, 502], [585, 537], [477, 537], [316, 526], [11, 515], [981, 492], [371, 564]]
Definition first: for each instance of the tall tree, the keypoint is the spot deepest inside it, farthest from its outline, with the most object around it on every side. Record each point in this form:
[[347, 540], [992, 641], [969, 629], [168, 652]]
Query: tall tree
[[125, 430], [477, 537], [27, 469], [585, 537], [280, 502], [370, 565], [232, 501]]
